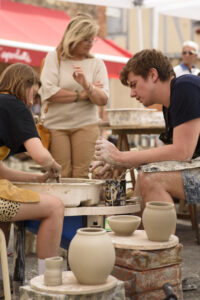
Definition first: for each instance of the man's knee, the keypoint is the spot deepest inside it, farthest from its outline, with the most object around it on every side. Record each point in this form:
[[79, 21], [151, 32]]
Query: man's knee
[[147, 183]]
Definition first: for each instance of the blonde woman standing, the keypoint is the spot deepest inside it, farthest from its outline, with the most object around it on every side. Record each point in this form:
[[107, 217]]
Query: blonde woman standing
[[74, 83]]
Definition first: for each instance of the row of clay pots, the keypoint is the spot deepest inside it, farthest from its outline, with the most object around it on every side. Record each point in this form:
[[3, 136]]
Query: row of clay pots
[[92, 255]]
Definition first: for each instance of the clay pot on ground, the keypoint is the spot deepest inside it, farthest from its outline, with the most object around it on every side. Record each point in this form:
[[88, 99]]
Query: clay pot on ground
[[53, 271], [159, 220], [124, 225], [91, 256]]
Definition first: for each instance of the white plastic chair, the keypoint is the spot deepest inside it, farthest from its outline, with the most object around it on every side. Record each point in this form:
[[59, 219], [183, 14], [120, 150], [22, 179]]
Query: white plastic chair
[[4, 266]]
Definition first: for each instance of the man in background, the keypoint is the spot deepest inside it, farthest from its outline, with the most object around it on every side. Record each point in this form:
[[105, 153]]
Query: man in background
[[190, 52]]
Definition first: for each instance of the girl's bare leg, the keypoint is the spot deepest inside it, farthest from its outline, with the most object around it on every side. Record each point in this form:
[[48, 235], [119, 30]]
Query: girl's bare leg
[[50, 211]]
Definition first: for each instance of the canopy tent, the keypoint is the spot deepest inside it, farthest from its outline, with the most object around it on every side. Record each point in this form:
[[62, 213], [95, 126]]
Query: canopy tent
[[28, 32], [177, 8]]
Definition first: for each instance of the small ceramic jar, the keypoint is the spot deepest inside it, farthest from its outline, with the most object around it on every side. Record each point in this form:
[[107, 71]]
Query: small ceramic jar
[[53, 271]]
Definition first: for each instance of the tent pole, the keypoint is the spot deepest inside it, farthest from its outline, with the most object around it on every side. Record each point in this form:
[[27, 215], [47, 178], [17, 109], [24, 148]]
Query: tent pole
[[155, 27], [139, 16]]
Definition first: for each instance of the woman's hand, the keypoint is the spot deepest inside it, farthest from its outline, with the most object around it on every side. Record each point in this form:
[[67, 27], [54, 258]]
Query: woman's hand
[[42, 177], [106, 152], [54, 170], [79, 77], [94, 90], [83, 95], [98, 84]]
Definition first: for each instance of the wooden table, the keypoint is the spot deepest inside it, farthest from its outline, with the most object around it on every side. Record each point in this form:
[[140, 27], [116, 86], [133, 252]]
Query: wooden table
[[132, 129], [123, 131], [19, 233]]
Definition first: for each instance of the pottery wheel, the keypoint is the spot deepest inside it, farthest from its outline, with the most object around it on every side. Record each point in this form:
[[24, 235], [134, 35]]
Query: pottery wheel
[[70, 285], [139, 241]]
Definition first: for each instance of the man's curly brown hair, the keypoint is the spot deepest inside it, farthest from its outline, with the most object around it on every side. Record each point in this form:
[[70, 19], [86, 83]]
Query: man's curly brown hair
[[143, 61]]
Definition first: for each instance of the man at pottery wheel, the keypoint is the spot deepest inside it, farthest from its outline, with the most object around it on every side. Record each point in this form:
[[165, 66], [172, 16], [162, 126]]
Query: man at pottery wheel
[[172, 170], [19, 84]]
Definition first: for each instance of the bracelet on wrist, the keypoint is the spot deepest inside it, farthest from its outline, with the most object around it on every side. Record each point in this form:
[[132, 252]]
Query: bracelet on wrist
[[90, 89], [77, 96]]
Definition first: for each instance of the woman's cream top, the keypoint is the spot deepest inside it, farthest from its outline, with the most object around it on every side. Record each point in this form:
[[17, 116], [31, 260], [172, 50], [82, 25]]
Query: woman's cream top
[[56, 76]]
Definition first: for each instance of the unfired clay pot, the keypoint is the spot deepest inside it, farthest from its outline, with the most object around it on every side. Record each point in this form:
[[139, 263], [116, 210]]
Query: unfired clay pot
[[159, 220], [124, 225], [91, 256], [53, 271]]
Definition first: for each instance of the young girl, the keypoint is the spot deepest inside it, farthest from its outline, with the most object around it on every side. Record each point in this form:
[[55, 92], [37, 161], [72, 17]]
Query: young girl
[[19, 84]]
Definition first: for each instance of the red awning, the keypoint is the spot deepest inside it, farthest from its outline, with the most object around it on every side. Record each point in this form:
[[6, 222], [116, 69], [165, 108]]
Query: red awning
[[28, 32]]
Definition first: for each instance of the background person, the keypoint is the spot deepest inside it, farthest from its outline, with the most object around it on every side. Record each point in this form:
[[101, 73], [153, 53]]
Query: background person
[[173, 170], [74, 88], [190, 51], [19, 83]]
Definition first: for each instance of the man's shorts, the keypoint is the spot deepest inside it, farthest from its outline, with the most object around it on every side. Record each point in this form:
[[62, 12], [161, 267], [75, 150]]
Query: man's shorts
[[191, 180], [190, 174]]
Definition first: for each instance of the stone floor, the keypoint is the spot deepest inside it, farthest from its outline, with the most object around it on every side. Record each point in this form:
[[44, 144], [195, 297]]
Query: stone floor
[[191, 258]]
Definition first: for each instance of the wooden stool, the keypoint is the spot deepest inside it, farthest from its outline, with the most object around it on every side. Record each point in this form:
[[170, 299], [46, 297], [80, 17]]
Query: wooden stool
[[145, 266], [4, 266], [194, 215]]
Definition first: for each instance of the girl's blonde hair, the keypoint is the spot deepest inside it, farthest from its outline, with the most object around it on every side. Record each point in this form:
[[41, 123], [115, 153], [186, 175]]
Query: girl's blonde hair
[[16, 78], [81, 27]]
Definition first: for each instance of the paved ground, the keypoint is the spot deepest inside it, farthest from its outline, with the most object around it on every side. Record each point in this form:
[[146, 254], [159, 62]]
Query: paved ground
[[191, 258], [190, 266]]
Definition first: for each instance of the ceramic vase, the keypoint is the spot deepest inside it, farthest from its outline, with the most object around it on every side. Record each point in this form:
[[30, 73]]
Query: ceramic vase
[[53, 271], [91, 256], [159, 220]]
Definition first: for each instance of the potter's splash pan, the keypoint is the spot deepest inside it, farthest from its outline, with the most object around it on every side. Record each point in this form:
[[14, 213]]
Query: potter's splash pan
[[72, 191]]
